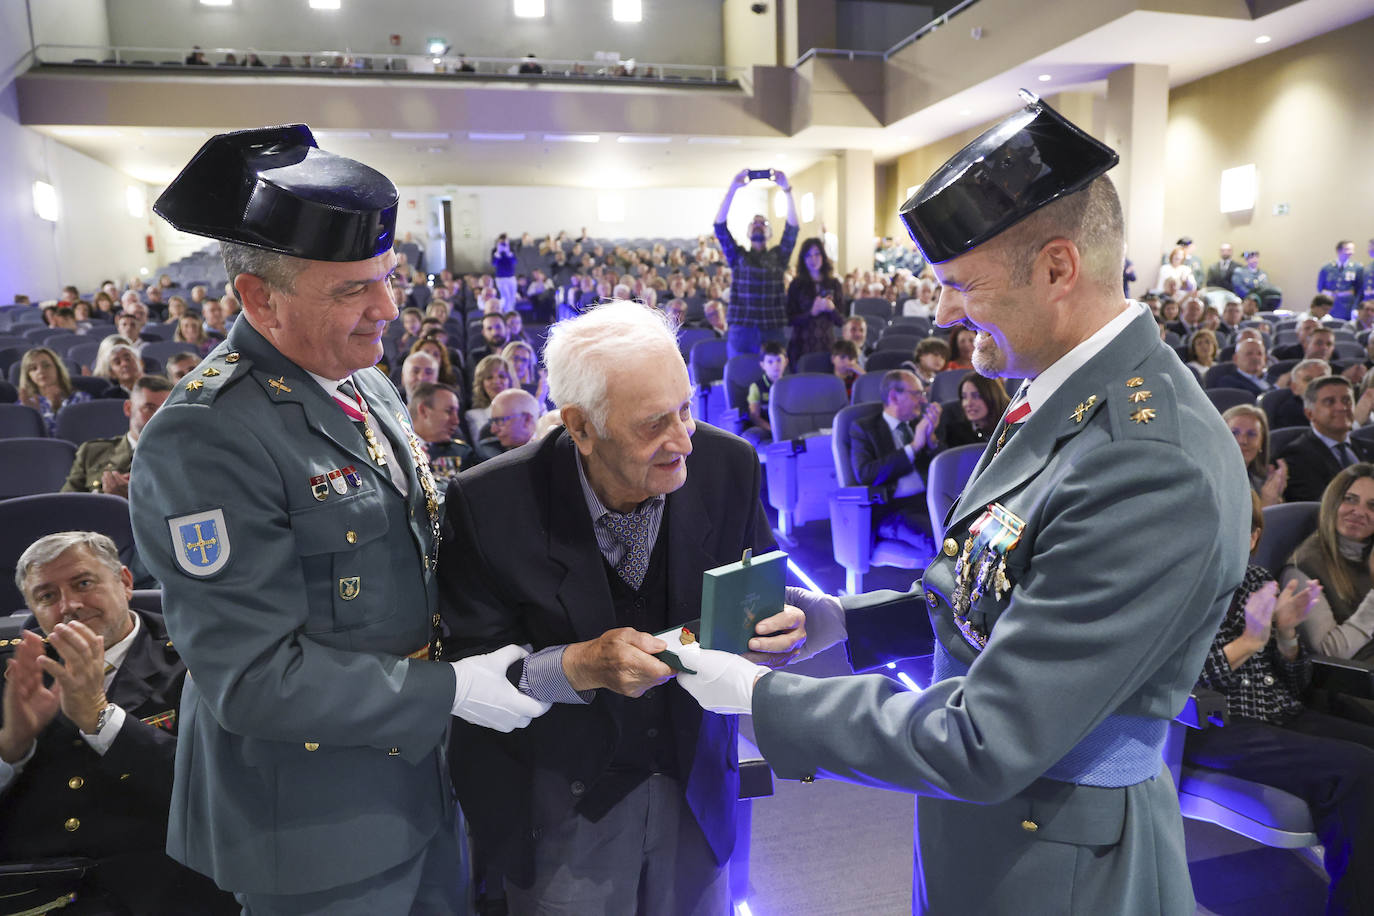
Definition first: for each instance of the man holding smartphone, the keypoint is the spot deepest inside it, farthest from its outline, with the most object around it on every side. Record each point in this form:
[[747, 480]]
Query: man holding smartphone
[[757, 311]]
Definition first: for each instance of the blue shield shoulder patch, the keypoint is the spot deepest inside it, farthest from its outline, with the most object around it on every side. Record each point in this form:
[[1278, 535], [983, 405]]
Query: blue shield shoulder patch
[[200, 542]]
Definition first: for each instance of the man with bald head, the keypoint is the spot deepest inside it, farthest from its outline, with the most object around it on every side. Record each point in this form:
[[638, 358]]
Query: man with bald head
[[514, 413]]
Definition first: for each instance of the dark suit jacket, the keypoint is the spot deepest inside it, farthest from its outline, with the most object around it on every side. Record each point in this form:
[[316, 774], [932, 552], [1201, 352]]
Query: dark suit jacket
[[1220, 274], [1284, 408], [875, 458], [92, 458], [534, 575], [1311, 465], [1234, 379], [120, 802]]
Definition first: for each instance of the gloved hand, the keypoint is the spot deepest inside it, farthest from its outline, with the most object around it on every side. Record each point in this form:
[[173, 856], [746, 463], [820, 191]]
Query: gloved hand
[[825, 624], [723, 682], [484, 696]]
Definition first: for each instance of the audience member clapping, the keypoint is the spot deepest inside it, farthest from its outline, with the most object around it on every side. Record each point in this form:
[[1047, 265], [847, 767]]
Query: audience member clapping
[[1177, 271], [1337, 555], [45, 386], [102, 465], [1250, 427], [1315, 457]]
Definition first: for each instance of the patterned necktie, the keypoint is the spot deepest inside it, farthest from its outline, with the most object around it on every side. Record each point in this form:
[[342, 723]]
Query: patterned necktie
[[632, 529], [1345, 454], [904, 430], [346, 396]]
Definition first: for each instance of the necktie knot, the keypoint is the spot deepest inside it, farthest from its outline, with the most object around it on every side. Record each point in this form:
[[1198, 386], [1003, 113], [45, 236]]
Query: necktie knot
[[632, 530]]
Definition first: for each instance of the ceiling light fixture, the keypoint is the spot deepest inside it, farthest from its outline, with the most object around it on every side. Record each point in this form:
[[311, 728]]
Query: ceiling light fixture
[[1263, 40], [1044, 77], [722, 141], [484, 135], [529, 9], [572, 138], [627, 10], [636, 138], [418, 135], [324, 4]]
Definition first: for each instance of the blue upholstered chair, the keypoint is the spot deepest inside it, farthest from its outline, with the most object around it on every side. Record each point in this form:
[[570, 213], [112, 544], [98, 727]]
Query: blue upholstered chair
[[855, 543], [949, 471], [25, 519], [801, 472], [33, 465], [103, 418]]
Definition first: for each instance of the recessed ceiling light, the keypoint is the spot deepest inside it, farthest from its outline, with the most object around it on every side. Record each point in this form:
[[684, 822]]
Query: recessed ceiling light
[[484, 135], [216, 2], [1044, 77], [965, 112], [572, 138], [1263, 40], [324, 4], [626, 10], [529, 9], [724, 141], [636, 138], [417, 135]]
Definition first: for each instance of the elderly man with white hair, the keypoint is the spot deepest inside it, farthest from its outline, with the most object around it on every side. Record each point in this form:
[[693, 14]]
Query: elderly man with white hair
[[623, 799], [419, 367]]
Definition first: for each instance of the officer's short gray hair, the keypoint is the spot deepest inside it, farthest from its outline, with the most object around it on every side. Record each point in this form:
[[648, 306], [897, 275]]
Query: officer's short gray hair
[[582, 351], [49, 548], [275, 269]]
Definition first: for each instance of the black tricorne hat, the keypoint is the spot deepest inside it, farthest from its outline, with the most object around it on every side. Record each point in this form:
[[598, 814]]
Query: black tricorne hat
[[274, 188], [1032, 158]]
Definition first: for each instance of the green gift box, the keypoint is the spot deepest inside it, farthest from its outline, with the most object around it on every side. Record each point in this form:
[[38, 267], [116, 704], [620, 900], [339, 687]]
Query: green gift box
[[734, 598]]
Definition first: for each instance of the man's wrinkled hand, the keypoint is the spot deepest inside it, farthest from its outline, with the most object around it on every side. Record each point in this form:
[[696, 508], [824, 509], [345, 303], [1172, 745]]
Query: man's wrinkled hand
[[80, 674], [723, 682], [621, 660]]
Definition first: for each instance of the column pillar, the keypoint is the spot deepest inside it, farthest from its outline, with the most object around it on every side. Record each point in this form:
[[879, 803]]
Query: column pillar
[[856, 192], [1137, 117]]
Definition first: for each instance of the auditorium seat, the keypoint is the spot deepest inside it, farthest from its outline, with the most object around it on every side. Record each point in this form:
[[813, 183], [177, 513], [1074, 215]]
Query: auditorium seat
[[871, 306], [25, 519], [855, 543], [1224, 399], [741, 371], [1285, 527], [946, 385], [949, 471], [1281, 438], [706, 369], [904, 343], [867, 387], [801, 471], [880, 361], [32, 465], [103, 418], [20, 421], [163, 350]]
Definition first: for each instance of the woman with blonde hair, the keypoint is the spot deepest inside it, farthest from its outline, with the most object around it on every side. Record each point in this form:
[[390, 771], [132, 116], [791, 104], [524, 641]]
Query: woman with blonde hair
[[191, 330], [1250, 427], [492, 376], [45, 385]]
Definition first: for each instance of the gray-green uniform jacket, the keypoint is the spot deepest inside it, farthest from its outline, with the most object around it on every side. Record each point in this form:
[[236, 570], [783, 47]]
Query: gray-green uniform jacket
[[1136, 509], [297, 579]]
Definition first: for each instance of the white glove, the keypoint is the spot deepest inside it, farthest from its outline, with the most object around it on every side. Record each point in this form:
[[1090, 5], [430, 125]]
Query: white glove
[[485, 697], [723, 682], [824, 620]]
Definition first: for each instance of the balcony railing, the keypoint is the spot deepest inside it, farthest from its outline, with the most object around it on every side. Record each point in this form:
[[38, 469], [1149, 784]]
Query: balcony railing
[[344, 64]]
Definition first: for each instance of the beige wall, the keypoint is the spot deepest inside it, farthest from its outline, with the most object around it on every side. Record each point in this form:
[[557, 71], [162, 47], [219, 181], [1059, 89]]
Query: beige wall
[[751, 38], [822, 180], [1302, 116]]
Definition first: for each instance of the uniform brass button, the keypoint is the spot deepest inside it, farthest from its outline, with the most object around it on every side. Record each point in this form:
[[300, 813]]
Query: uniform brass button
[[312, 746], [931, 600], [351, 537], [231, 358], [1030, 826], [73, 824], [394, 752], [951, 547], [75, 782], [169, 644], [808, 779]]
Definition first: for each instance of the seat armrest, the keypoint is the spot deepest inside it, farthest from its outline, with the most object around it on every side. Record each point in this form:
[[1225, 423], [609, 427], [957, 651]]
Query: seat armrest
[[867, 496], [1205, 708], [1343, 675]]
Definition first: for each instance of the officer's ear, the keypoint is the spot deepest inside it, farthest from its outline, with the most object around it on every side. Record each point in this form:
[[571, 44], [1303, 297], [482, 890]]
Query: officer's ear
[[256, 298]]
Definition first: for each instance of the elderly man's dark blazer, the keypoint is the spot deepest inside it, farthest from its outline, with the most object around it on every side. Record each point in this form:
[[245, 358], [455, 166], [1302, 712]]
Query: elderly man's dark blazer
[[1311, 466], [874, 455], [520, 564], [112, 808]]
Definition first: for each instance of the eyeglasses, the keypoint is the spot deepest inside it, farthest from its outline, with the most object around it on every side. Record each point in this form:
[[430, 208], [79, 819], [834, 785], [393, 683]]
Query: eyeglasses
[[501, 421]]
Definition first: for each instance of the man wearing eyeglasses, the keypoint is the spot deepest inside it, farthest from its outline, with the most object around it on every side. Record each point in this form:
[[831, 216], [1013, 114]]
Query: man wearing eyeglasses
[[892, 450], [513, 416]]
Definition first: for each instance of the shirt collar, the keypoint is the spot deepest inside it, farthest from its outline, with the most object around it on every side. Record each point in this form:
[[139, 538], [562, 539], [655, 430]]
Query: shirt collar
[[115, 655], [1040, 389], [1328, 441], [594, 504]]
